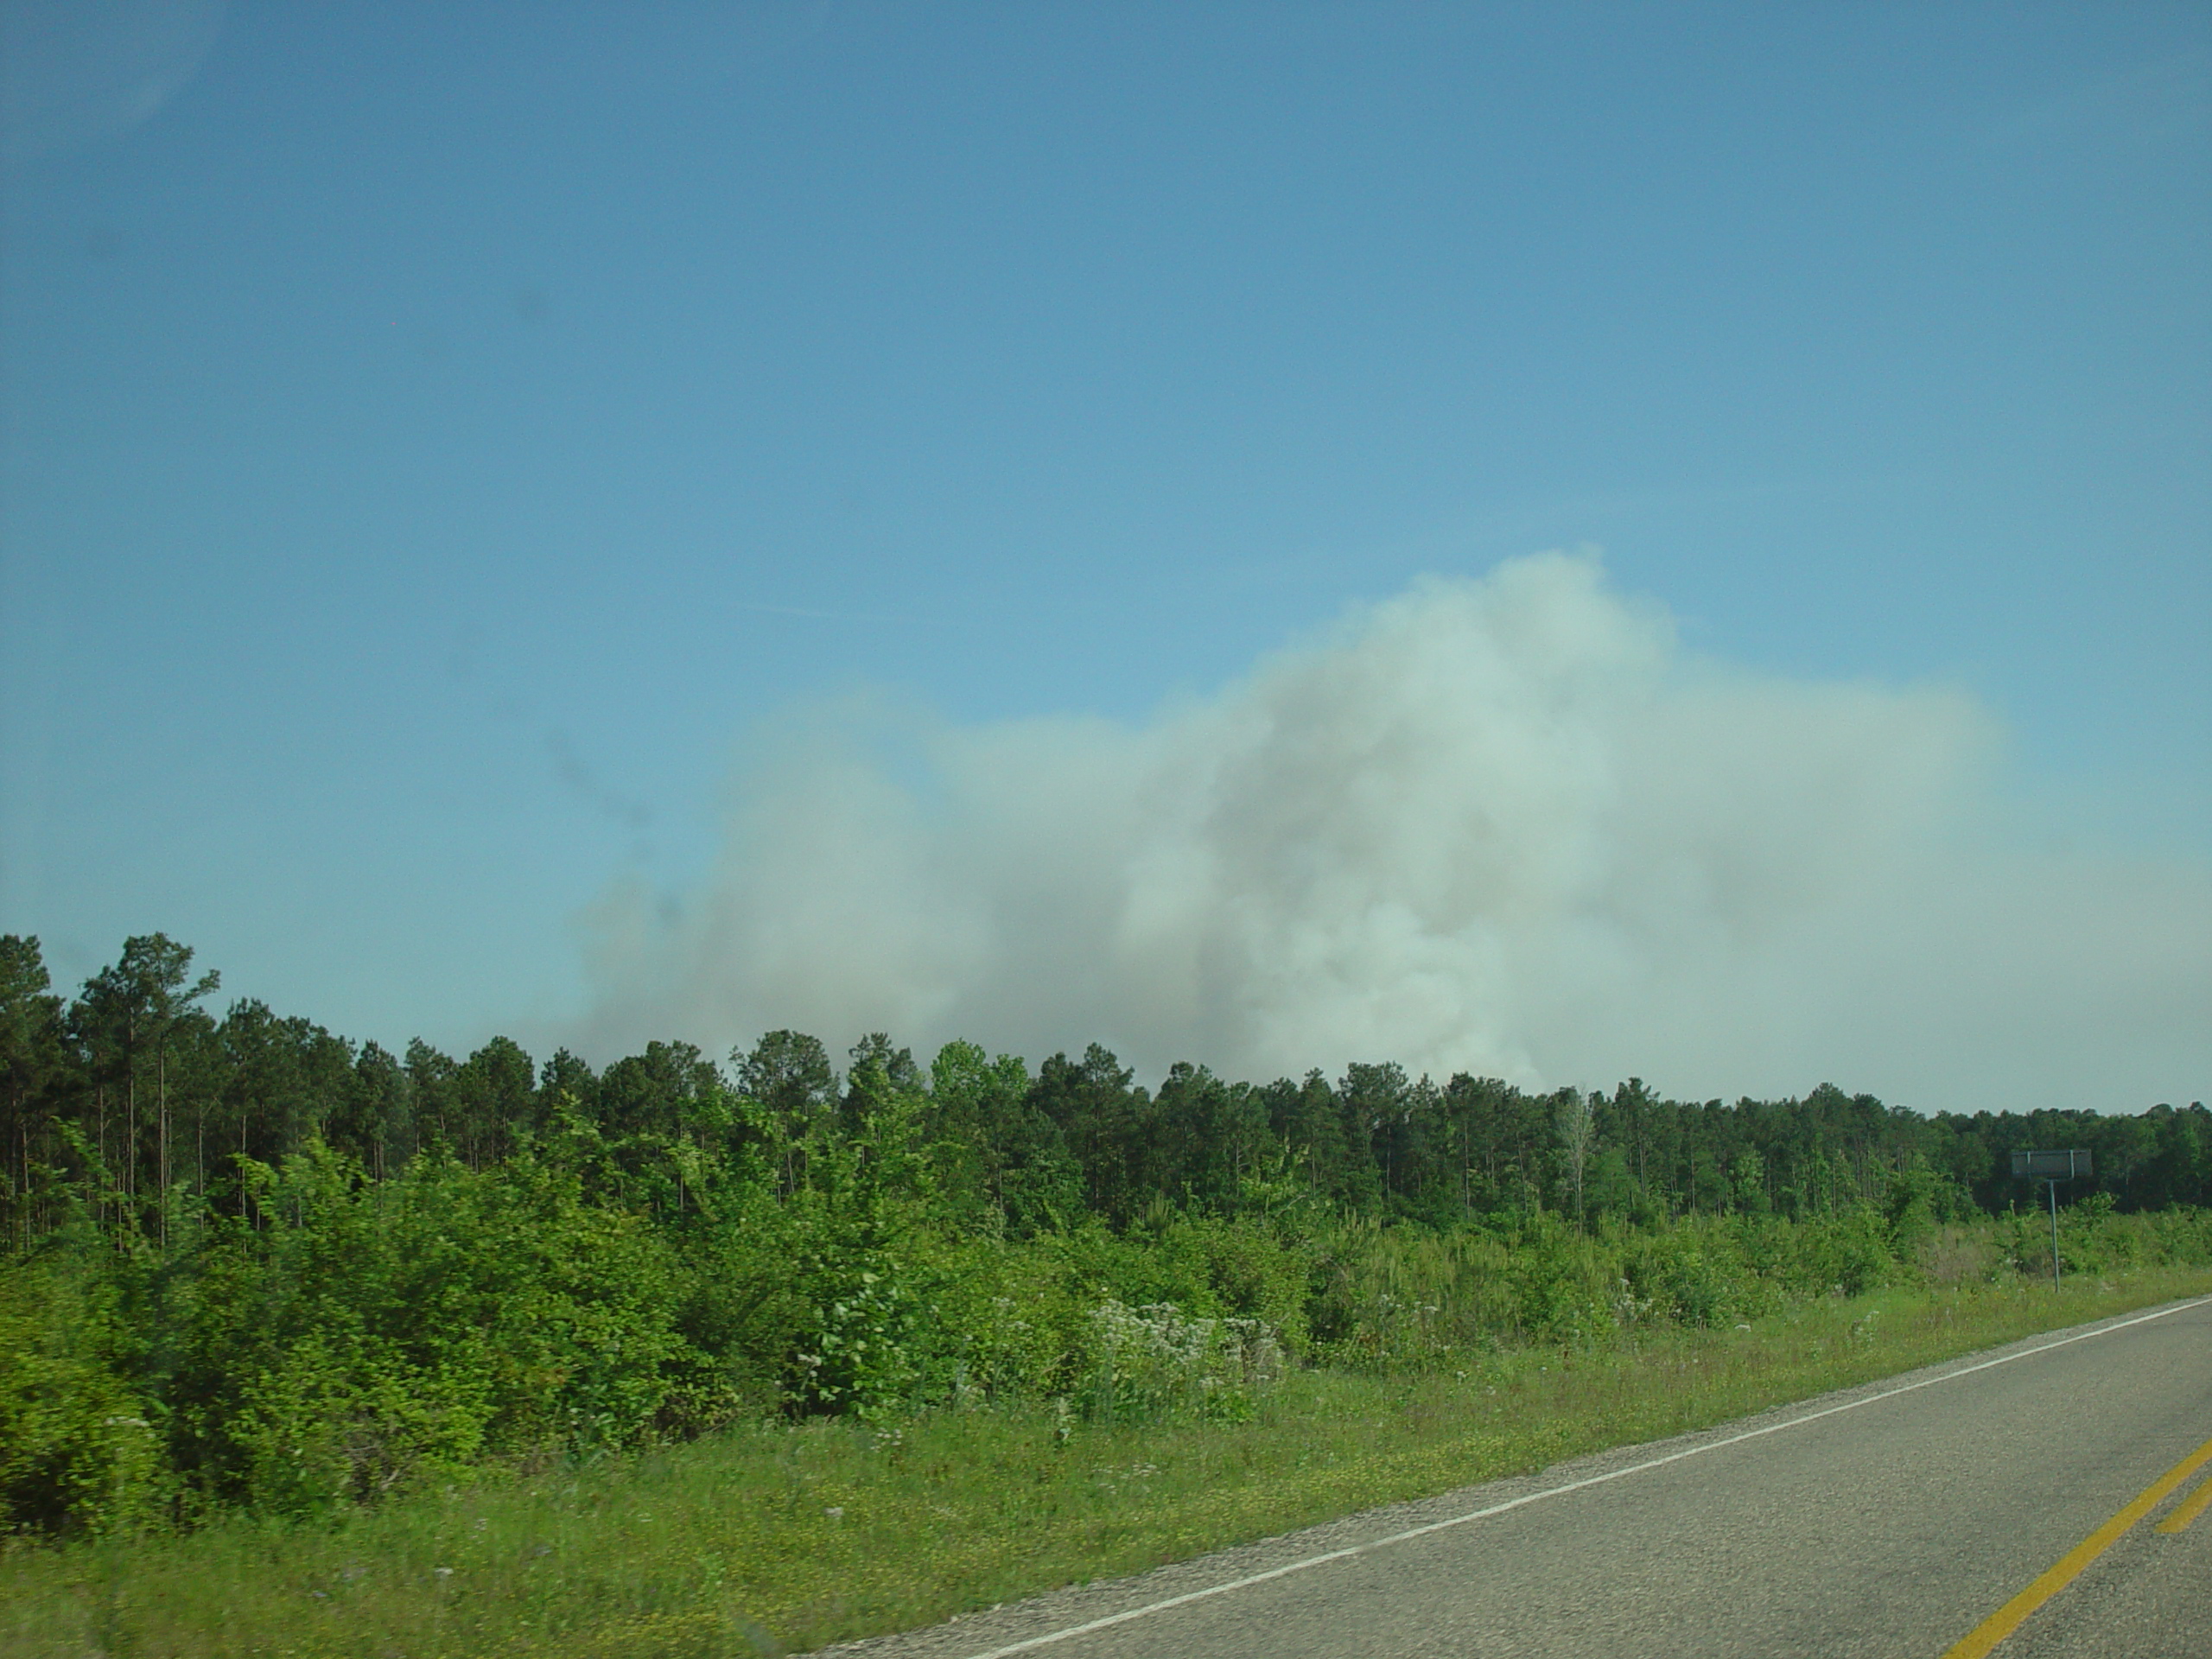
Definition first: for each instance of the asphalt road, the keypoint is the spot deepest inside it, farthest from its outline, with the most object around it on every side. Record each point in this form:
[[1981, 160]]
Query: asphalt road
[[1892, 1519]]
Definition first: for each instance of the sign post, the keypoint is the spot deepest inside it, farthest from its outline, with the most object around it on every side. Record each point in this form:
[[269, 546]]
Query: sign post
[[2051, 1168]]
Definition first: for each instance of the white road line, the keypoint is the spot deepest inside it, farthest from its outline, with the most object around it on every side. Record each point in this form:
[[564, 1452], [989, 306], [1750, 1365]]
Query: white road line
[[1150, 1608]]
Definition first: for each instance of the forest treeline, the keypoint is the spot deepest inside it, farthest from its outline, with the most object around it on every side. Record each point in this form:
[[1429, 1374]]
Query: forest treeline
[[137, 1084], [253, 1265]]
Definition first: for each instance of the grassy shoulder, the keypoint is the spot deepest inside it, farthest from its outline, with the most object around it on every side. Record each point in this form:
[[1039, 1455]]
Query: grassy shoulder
[[779, 1538]]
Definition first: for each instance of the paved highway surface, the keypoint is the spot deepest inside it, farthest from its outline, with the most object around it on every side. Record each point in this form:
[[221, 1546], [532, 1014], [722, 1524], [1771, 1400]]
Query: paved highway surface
[[1899, 1519]]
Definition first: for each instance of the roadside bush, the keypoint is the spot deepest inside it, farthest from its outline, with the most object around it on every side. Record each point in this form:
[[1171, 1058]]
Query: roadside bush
[[79, 1453], [2181, 1237], [1205, 1264], [1691, 1274], [323, 1340], [1014, 1322], [868, 1345], [1151, 1363], [351, 1338], [339, 1422], [1402, 1297], [1847, 1253]]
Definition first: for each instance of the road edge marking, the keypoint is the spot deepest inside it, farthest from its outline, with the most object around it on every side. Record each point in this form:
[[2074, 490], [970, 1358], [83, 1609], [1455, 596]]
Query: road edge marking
[[1125, 1617], [2187, 1510], [2069, 1567]]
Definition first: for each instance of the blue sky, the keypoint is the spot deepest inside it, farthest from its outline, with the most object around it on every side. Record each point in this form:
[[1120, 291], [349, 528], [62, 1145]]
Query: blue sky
[[440, 441]]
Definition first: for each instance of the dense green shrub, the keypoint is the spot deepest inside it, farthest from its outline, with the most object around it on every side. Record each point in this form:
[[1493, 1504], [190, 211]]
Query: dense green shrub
[[1155, 1361], [351, 1336], [356, 1274], [80, 1452], [343, 1337]]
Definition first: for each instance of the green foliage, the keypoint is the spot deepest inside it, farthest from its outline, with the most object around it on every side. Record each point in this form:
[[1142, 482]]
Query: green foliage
[[1151, 1363], [793, 1535], [351, 1336], [255, 1268], [79, 1448]]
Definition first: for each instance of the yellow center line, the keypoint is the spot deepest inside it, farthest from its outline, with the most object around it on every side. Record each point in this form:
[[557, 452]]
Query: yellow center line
[[2014, 1614], [2188, 1509]]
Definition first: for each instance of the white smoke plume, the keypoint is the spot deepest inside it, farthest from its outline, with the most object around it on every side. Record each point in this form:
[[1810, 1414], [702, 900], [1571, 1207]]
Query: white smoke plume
[[1506, 826]]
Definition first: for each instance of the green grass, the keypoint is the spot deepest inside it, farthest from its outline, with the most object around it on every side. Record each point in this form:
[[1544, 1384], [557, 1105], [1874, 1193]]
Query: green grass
[[780, 1538]]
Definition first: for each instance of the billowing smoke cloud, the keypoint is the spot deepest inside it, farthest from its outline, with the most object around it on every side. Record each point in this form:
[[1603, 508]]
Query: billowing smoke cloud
[[1505, 826]]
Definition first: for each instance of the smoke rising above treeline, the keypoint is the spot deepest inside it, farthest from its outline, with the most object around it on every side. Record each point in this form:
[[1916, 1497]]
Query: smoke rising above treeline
[[1506, 826]]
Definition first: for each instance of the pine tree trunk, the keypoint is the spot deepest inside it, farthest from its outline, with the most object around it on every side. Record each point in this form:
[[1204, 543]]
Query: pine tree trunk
[[162, 1149]]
